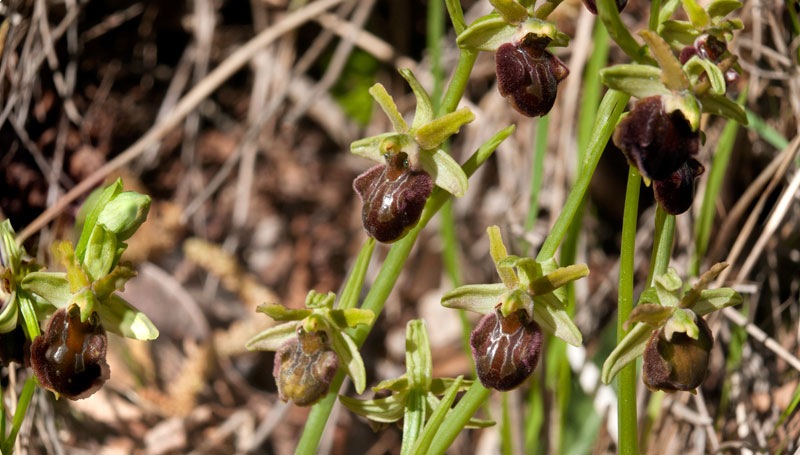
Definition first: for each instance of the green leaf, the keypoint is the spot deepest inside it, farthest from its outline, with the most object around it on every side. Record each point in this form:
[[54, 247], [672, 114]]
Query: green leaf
[[424, 111], [281, 313], [431, 134], [351, 317], [94, 205], [386, 410], [371, 147], [627, 350], [51, 286], [672, 75], [720, 105], [716, 299], [273, 338], [480, 298], [419, 365], [697, 66], [445, 172], [120, 317], [550, 314], [487, 33], [386, 103], [652, 314], [639, 81], [350, 359], [438, 415]]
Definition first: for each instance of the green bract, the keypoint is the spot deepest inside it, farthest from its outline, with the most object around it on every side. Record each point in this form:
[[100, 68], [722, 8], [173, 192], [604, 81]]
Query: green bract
[[669, 305], [527, 285], [318, 316], [414, 396], [422, 141]]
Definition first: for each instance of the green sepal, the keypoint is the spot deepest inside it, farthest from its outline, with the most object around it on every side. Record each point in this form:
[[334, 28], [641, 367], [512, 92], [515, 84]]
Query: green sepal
[[351, 317], [93, 207], [558, 278], [431, 134], [691, 296], [273, 338], [120, 317], [424, 110], [372, 147], [480, 298], [696, 66], [716, 299], [722, 106], [697, 15], [549, 312], [669, 288], [498, 252], [387, 104], [10, 313], [445, 172], [678, 33], [721, 8], [627, 350], [386, 410], [349, 358], [639, 81], [682, 321], [672, 75], [281, 313], [419, 364], [511, 11], [318, 300], [487, 33], [50, 286], [652, 314]]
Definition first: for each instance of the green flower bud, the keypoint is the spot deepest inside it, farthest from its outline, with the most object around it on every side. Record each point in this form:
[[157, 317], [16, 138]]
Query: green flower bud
[[124, 214]]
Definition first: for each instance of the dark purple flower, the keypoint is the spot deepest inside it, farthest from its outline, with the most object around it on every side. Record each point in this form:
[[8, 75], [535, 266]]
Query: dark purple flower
[[676, 192], [304, 368], [656, 142], [528, 75], [505, 348], [69, 358], [677, 364], [591, 5], [393, 196]]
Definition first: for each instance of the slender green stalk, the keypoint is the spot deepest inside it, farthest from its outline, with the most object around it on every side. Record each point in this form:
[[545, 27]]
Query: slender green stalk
[[464, 410], [352, 288], [626, 398], [535, 417], [413, 420], [608, 13], [655, 9], [506, 437], [435, 33], [662, 244], [537, 171], [19, 415], [608, 114]]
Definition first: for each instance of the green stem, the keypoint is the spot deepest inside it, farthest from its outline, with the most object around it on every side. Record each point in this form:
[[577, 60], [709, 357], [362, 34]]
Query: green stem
[[459, 416], [608, 13], [662, 244], [413, 420], [608, 114], [537, 171], [626, 400], [19, 415], [655, 11]]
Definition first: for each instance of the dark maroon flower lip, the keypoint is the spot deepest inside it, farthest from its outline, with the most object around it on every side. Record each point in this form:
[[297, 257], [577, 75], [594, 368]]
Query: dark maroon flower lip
[[304, 368], [506, 349], [393, 196], [69, 357], [676, 192], [528, 75], [679, 364]]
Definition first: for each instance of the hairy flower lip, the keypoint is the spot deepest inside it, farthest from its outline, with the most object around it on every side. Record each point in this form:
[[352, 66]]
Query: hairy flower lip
[[676, 192], [304, 368], [69, 358], [680, 364]]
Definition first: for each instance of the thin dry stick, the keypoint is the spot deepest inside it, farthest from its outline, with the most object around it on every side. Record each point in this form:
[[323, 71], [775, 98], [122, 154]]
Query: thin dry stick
[[207, 86]]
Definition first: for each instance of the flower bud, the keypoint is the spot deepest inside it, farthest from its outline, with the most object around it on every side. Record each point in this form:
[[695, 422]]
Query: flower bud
[[676, 192], [677, 364], [124, 214], [393, 196], [304, 368], [656, 142], [69, 358], [505, 348], [591, 5], [528, 75]]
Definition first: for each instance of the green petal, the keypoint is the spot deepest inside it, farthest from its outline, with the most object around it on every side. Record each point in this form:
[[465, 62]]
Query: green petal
[[679, 33], [433, 133], [419, 365], [697, 66], [281, 313], [480, 298], [627, 350], [497, 250], [424, 112], [487, 33], [51, 286], [350, 359], [387, 410], [273, 338], [445, 172], [114, 281], [558, 278], [672, 74], [386, 103], [652, 314], [351, 317], [550, 314], [720, 105], [120, 317], [639, 81], [716, 299]]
